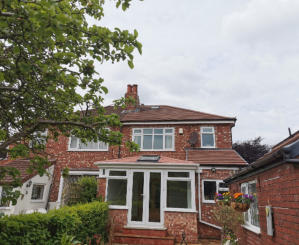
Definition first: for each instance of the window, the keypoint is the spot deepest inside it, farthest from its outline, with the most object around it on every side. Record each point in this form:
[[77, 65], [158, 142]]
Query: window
[[210, 188], [180, 190], [207, 137], [37, 192], [3, 203], [77, 145], [251, 217], [117, 188], [157, 139], [39, 138]]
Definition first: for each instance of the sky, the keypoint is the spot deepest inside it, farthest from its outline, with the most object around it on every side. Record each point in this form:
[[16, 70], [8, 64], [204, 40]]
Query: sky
[[236, 58]]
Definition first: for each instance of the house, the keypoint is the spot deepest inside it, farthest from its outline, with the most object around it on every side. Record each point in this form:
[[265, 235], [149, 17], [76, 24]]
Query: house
[[182, 152], [34, 191], [274, 179]]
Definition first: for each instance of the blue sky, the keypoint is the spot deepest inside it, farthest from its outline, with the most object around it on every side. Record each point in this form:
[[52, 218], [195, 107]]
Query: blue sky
[[234, 58]]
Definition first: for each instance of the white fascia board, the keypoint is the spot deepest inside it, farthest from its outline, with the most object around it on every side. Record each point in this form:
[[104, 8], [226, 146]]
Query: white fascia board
[[220, 168], [139, 165], [82, 172], [179, 122]]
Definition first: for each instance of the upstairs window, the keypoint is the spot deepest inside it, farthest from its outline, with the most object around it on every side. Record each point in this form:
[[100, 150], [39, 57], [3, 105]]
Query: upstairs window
[[40, 138], [154, 139], [207, 137], [75, 144]]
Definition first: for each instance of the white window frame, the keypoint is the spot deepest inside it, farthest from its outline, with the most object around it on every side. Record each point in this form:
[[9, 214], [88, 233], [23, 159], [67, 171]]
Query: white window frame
[[107, 175], [44, 191], [217, 189], [43, 137], [164, 134], [247, 224], [213, 133], [190, 179], [77, 147]]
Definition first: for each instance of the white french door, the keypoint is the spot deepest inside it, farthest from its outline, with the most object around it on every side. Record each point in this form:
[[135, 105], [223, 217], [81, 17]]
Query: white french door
[[145, 199]]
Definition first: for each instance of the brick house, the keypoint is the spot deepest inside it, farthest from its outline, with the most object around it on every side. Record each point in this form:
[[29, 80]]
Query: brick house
[[190, 153], [274, 217]]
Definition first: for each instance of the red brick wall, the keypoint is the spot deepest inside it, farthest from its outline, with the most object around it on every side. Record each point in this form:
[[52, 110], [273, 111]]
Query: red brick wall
[[85, 159], [278, 187], [177, 222], [102, 187], [207, 208], [118, 219]]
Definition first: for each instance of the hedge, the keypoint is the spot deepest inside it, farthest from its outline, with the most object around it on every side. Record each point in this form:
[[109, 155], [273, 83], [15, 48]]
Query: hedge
[[82, 221]]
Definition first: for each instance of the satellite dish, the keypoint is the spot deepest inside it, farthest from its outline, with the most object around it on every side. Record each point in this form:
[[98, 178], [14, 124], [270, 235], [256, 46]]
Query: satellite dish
[[193, 139]]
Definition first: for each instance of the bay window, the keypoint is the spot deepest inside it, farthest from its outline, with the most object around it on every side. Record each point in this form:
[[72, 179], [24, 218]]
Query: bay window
[[158, 139]]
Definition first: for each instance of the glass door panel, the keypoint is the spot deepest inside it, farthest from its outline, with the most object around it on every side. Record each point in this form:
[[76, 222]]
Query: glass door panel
[[154, 197], [137, 197]]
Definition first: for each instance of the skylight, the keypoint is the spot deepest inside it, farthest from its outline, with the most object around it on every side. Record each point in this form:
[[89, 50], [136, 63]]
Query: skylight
[[149, 158]]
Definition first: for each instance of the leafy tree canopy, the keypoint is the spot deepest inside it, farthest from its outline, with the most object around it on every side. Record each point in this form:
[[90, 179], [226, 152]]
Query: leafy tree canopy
[[251, 150], [47, 54]]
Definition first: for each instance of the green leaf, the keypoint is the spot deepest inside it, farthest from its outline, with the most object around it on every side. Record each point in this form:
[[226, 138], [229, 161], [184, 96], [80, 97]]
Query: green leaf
[[130, 63]]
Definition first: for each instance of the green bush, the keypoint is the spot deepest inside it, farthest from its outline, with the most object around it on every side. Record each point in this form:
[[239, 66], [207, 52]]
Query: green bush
[[80, 221], [82, 191]]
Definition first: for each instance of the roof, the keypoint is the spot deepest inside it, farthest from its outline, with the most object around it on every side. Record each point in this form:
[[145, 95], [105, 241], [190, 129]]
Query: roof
[[21, 165], [134, 159], [284, 154], [286, 141], [164, 113], [215, 157]]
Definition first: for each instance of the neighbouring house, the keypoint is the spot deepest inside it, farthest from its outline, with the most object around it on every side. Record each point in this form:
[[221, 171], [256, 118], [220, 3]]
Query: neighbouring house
[[166, 188], [35, 189], [274, 179]]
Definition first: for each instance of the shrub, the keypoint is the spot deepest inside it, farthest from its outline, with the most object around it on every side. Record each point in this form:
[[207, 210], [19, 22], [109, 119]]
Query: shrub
[[80, 221], [84, 190]]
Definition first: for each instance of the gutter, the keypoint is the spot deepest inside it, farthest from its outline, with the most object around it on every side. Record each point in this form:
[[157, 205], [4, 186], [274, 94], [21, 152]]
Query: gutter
[[285, 154]]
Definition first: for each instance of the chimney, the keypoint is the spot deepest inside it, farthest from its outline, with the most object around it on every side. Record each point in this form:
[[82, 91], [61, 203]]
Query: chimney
[[132, 91]]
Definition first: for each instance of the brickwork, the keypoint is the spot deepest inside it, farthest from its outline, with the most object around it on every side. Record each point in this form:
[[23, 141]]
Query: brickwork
[[85, 159], [118, 219], [177, 222], [206, 231], [102, 187], [278, 187]]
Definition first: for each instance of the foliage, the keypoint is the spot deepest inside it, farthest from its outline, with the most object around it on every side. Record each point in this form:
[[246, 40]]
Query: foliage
[[82, 191], [230, 221], [224, 198], [48, 52], [251, 150], [242, 198], [79, 222]]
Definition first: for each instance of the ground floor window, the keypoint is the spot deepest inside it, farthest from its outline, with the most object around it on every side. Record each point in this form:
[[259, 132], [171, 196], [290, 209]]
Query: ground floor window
[[37, 192], [211, 187], [179, 190], [117, 188], [251, 217]]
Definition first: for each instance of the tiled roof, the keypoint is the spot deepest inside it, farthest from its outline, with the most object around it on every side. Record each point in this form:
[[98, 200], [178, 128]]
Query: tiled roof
[[135, 158], [289, 140], [215, 157], [22, 166], [151, 113]]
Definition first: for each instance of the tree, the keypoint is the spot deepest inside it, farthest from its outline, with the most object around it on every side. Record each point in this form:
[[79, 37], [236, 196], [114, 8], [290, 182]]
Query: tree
[[251, 150], [47, 55]]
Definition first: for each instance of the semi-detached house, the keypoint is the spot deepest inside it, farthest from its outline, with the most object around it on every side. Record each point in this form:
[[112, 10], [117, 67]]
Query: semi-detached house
[[165, 189]]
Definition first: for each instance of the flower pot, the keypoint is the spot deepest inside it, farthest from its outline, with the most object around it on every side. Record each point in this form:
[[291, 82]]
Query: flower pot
[[240, 207]]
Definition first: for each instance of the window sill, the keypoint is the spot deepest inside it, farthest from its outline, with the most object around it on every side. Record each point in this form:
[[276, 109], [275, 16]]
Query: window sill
[[5, 208], [252, 228], [208, 202], [181, 210], [37, 201], [117, 207], [95, 150], [157, 150]]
